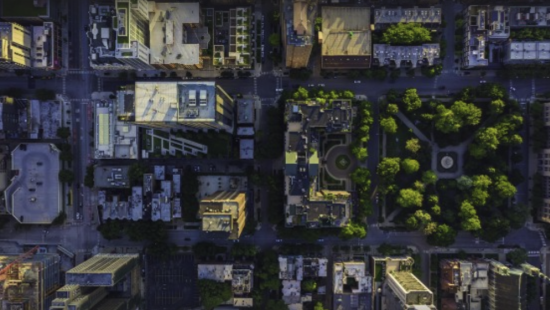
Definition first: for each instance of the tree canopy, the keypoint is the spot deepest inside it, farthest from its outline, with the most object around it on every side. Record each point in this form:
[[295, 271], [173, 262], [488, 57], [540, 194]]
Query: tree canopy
[[353, 230], [406, 34], [410, 165], [444, 236], [388, 124], [429, 177], [213, 293], [517, 256], [409, 198], [411, 99], [274, 40], [388, 168], [468, 214], [413, 145], [392, 108], [309, 285]]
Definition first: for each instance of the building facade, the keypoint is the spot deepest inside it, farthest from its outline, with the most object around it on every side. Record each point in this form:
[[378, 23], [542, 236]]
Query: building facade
[[224, 212]]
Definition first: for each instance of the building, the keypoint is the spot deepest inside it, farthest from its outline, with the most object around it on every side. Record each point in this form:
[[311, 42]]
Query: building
[[233, 44], [119, 36], [293, 270], [46, 47], [412, 56], [307, 203], [111, 177], [31, 282], [105, 281], [11, 110], [507, 287], [529, 16], [345, 38], [247, 107], [15, 46], [241, 277], [297, 24], [352, 286], [115, 138], [483, 24], [428, 17], [464, 283], [543, 213], [224, 212], [34, 195], [406, 292], [30, 11], [197, 104], [530, 51], [178, 35]]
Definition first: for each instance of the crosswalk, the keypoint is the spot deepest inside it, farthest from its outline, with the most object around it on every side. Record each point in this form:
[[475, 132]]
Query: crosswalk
[[99, 84], [75, 71], [64, 84], [542, 236], [533, 253], [255, 86]]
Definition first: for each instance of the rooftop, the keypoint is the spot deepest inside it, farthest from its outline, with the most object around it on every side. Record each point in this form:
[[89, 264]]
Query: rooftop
[[532, 50], [407, 15], [34, 195], [174, 37], [102, 270], [173, 102], [529, 16], [114, 138], [245, 109], [298, 16], [223, 211], [291, 268], [215, 272], [346, 37], [416, 55], [25, 8], [15, 43], [102, 35], [409, 290], [246, 148], [351, 278], [111, 177], [44, 46]]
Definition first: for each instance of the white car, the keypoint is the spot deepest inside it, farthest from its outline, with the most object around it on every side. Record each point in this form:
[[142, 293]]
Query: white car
[[357, 82], [279, 240], [321, 85], [482, 81], [310, 85], [321, 240]]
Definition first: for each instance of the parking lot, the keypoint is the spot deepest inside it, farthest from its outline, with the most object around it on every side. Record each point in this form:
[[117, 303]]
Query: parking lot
[[171, 282]]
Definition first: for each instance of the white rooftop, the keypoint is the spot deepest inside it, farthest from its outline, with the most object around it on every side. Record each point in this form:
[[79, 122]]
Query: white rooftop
[[215, 272]]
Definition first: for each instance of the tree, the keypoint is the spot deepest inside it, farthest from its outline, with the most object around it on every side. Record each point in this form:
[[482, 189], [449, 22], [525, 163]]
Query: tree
[[276, 305], [464, 182], [409, 198], [60, 218], [468, 113], [388, 168], [274, 40], [388, 124], [468, 214], [443, 236], [63, 132], [319, 306], [213, 293], [486, 141], [482, 181], [89, 178], [110, 229], [446, 121], [309, 285], [353, 230], [406, 34], [429, 177], [410, 165], [497, 106], [66, 176], [392, 108], [503, 187], [301, 94], [413, 145], [361, 178], [44, 94], [241, 249], [517, 257], [135, 172], [411, 100]]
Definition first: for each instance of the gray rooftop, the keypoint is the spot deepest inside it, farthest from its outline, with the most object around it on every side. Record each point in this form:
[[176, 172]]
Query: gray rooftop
[[111, 177], [34, 196], [407, 15]]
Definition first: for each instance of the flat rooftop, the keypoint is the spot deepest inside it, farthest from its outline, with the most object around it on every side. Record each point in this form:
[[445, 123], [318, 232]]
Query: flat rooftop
[[111, 177], [407, 15], [246, 148], [173, 102], [174, 38], [245, 109], [346, 37], [531, 50], [298, 16], [25, 8], [34, 195]]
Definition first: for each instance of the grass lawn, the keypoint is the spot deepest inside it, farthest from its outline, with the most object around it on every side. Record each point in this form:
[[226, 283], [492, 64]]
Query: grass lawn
[[378, 275], [395, 143], [22, 8], [157, 143]]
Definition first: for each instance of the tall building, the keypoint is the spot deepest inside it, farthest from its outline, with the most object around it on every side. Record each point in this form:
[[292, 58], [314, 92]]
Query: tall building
[[15, 46], [119, 36], [178, 35], [464, 283], [105, 281], [224, 212], [30, 11], [30, 283], [46, 46], [297, 24], [405, 292], [34, 195], [345, 37], [197, 104], [507, 287]]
